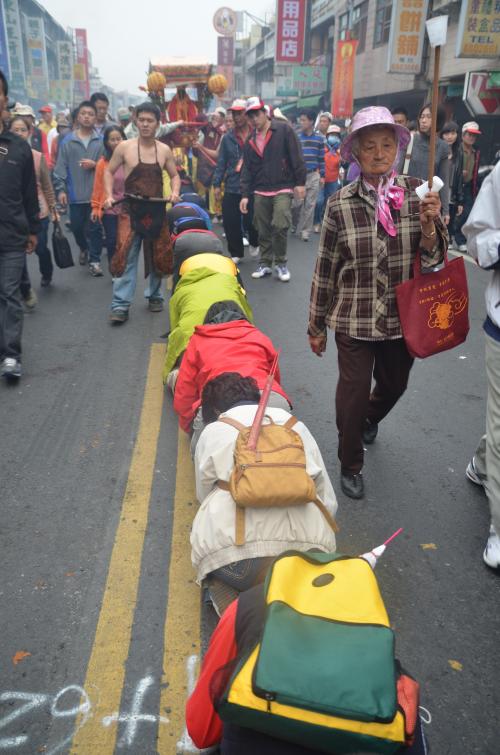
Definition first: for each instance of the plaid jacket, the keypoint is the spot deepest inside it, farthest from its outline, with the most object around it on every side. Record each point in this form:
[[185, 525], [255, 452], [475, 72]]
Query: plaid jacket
[[359, 265]]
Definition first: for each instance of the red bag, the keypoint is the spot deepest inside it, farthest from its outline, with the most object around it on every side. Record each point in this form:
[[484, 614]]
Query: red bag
[[434, 308]]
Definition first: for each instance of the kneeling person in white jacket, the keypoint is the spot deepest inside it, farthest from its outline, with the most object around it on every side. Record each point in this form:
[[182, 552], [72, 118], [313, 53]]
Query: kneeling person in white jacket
[[229, 568]]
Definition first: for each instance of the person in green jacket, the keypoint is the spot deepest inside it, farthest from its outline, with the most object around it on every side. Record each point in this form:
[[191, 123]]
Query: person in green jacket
[[196, 291]]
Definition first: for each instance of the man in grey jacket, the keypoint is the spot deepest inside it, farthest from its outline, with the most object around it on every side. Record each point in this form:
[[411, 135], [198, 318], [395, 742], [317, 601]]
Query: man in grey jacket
[[74, 181]]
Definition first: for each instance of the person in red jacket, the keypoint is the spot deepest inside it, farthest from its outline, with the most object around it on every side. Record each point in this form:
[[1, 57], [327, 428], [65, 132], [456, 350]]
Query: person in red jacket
[[225, 342]]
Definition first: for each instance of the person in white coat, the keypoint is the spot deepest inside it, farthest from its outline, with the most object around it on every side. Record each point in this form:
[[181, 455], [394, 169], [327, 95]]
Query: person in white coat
[[482, 231], [268, 531]]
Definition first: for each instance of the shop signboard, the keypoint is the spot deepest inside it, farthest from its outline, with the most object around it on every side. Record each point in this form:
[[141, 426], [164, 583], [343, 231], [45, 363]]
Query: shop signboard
[[81, 66], [479, 29], [4, 50], [478, 97], [309, 79], [225, 21], [290, 30], [37, 57], [406, 38], [321, 11], [17, 83], [225, 51]]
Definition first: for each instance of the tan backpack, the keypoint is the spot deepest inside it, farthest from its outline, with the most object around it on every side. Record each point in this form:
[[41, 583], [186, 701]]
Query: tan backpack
[[272, 475]]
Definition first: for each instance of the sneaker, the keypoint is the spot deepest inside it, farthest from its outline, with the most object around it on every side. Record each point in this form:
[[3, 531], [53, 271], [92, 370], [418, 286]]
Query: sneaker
[[317, 228], [118, 316], [156, 305], [254, 251], [462, 247], [262, 271], [491, 555], [304, 235], [283, 273], [95, 270], [370, 431], [45, 282], [352, 484], [82, 259], [11, 369], [31, 300], [293, 229], [236, 259], [245, 241], [472, 474]]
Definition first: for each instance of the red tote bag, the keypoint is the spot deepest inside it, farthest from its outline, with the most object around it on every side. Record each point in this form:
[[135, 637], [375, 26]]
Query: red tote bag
[[434, 308]]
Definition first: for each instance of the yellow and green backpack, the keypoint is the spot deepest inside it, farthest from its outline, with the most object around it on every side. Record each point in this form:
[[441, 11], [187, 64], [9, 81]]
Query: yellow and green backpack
[[323, 674]]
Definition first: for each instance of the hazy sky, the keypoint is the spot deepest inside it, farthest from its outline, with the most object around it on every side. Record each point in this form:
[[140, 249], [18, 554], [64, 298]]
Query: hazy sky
[[124, 34]]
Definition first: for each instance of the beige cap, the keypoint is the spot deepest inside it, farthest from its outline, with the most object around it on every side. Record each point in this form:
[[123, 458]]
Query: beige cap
[[472, 127], [21, 109]]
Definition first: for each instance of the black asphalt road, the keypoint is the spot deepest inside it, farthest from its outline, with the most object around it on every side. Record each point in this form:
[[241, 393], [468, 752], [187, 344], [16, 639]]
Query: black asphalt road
[[67, 433]]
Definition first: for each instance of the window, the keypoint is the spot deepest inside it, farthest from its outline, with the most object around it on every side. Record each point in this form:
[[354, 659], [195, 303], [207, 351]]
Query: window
[[343, 26], [382, 22], [358, 25]]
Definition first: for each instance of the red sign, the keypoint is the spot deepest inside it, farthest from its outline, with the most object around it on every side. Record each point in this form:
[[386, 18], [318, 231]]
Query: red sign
[[82, 59], [343, 79], [225, 51], [290, 29]]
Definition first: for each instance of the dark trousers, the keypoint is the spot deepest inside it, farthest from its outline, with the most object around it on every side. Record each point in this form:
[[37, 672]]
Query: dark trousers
[[389, 363], [110, 223], [235, 224], [25, 285], [43, 252], [88, 235], [11, 310], [462, 219]]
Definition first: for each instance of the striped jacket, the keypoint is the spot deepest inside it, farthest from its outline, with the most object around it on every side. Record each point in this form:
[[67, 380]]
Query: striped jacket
[[359, 265]]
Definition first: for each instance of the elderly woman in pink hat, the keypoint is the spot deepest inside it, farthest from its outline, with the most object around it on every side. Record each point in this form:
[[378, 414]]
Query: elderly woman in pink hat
[[372, 231]]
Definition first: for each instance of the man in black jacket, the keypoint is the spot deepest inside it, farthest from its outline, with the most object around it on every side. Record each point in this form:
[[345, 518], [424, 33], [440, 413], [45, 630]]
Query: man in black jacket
[[273, 170], [19, 225]]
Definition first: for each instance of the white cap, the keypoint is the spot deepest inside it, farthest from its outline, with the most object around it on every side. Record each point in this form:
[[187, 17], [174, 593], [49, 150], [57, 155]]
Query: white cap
[[472, 127], [333, 129], [238, 105], [220, 111], [20, 109]]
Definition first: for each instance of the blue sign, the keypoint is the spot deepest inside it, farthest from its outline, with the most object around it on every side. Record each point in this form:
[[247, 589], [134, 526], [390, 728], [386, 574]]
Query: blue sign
[[4, 51]]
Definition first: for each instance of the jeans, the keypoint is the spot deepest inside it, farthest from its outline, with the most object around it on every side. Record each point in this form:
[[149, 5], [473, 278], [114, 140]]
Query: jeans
[[43, 252], [124, 287], [88, 235], [25, 284], [110, 223], [11, 310], [272, 218], [462, 219], [235, 224], [332, 187], [319, 210]]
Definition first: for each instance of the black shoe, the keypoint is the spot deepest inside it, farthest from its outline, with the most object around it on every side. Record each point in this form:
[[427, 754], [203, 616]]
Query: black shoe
[[118, 317], [352, 484], [45, 282], [370, 431]]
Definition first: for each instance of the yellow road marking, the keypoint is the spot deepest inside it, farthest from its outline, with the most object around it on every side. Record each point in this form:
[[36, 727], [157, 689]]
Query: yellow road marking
[[106, 668], [182, 626]]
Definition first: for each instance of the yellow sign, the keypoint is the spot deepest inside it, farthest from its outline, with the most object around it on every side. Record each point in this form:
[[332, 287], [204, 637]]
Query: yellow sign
[[479, 29]]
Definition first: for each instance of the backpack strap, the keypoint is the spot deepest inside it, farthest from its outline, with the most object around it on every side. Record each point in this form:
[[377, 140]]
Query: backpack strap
[[291, 422], [239, 534], [329, 518], [233, 422], [409, 151]]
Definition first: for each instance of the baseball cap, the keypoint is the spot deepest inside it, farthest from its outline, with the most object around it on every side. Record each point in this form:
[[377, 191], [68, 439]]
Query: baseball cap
[[238, 105], [123, 113], [45, 109], [472, 127], [333, 129], [61, 119], [21, 109], [254, 103], [220, 111]]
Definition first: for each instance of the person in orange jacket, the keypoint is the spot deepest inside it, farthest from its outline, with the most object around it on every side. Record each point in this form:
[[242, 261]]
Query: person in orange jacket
[[113, 135]]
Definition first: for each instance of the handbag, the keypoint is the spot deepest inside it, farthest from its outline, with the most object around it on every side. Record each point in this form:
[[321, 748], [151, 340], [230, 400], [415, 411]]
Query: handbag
[[434, 308], [61, 248]]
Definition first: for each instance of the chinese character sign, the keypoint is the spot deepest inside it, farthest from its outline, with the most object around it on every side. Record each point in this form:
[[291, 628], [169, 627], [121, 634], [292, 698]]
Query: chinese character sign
[[65, 63], [15, 48], [406, 41], [81, 68], [225, 51], [290, 28], [37, 57], [343, 79], [479, 29], [309, 79]]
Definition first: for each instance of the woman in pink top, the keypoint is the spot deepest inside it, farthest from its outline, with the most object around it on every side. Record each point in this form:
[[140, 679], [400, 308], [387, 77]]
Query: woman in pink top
[[113, 135], [47, 201]]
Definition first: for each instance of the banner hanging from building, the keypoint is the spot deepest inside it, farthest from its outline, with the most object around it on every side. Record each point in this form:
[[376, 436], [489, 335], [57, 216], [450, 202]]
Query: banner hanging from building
[[17, 83], [225, 51], [343, 79], [406, 39], [290, 30], [38, 79], [81, 67], [479, 29], [4, 50], [65, 65]]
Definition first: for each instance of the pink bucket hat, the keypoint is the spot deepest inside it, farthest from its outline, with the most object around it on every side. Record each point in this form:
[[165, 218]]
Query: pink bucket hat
[[372, 116]]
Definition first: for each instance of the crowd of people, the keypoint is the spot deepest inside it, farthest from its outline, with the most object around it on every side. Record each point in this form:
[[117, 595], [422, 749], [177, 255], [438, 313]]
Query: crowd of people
[[125, 188]]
